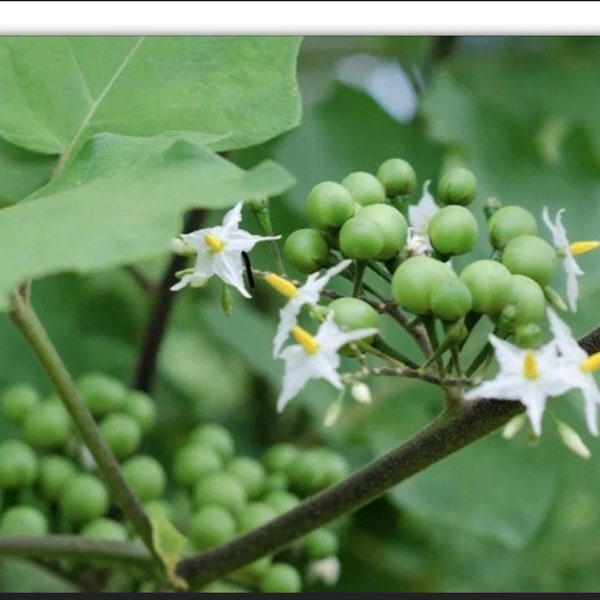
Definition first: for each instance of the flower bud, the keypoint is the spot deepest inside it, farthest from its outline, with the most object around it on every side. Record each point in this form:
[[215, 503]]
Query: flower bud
[[570, 438], [490, 206], [182, 248], [361, 393], [528, 335]]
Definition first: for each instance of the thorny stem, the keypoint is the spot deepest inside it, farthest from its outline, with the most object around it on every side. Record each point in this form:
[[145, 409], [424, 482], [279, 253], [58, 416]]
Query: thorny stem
[[27, 322]]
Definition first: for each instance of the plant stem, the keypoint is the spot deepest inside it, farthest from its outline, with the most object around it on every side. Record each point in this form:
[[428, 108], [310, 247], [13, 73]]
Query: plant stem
[[26, 320], [429, 323], [263, 217], [76, 546], [145, 370], [384, 347], [359, 271], [479, 359]]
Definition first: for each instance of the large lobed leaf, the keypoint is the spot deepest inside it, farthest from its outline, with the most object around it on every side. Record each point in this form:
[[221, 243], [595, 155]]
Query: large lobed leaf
[[120, 203], [59, 91]]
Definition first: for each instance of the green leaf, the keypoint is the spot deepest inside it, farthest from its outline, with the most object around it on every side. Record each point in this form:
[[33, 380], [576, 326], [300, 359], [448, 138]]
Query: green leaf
[[168, 543], [124, 209], [59, 91], [22, 576]]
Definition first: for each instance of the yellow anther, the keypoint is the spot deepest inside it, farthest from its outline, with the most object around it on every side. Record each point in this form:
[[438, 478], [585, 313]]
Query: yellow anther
[[307, 341], [583, 247], [214, 243], [530, 366], [591, 364], [283, 286]]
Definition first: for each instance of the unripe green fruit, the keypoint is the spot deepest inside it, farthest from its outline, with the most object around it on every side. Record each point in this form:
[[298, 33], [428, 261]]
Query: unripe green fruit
[[458, 186], [393, 226], [281, 501], [306, 250], [254, 515], [321, 543], [352, 313], [335, 467], [365, 188], [453, 230], [398, 177], [141, 407], [281, 578], [451, 300], [531, 256], [18, 464], [250, 473], [329, 205], [211, 526], [47, 425], [528, 335], [222, 489], [361, 238], [17, 400], [308, 473], [490, 284], [279, 456], [122, 434], [83, 499], [160, 508], [414, 281], [255, 570], [105, 529], [193, 461], [276, 482], [23, 520], [528, 299], [509, 222], [216, 437], [102, 394], [55, 472], [146, 476]]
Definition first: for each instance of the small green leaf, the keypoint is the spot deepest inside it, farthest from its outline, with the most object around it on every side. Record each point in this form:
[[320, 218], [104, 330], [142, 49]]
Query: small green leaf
[[168, 544]]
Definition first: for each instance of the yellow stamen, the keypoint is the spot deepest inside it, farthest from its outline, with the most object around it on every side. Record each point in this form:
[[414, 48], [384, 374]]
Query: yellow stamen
[[283, 286], [583, 247], [591, 364], [530, 366], [214, 243], [307, 341]]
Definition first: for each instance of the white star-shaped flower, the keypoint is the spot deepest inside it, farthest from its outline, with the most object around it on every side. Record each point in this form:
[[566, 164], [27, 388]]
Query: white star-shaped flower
[[315, 357], [419, 216], [529, 376], [309, 294], [219, 252], [576, 367]]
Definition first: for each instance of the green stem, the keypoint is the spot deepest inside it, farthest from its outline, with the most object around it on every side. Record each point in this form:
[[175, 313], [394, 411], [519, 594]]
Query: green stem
[[260, 210], [486, 351], [26, 320], [384, 347], [377, 268], [456, 358], [359, 271], [77, 547], [429, 323]]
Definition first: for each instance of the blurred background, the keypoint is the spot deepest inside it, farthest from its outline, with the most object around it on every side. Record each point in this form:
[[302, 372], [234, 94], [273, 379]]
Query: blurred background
[[523, 113]]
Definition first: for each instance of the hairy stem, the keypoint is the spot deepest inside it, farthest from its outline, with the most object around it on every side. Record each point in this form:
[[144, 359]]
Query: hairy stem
[[145, 370], [26, 320]]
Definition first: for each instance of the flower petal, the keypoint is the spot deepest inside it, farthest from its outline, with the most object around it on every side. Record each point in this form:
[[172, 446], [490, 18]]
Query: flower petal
[[229, 268], [233, 217], [298, 371], [287, 319]]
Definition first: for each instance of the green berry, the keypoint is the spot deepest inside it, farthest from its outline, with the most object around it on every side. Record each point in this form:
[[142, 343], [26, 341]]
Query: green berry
[[528, 335], [281, 501], [18, 465], [122, 434], [254, 515], [490, 284], [280, 578], [398, 177], [105, 529], [531, 256], [216, 437], [23, 520], [141, 407], [453, 230], [414, 281], [193, 461], [250, 473], [335, 467], [84, 498], [308, 473], [55, 472], [47, 425], [451, 300], [211, 526], [276, 482], [329, 205], [365, 188], [393, 227], [255, 570], [102, 394], [321, 543], [528, 299], [457, 186], [160, 508], [17, 400], [509, 222], [279, 456], [352, 313], [222, 489], [361, 238], [146, 476], [306, 250]]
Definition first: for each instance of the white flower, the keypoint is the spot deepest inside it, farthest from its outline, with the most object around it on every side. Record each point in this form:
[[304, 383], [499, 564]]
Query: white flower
[[219, 252], [315, 357], [529, 376], [576, 367], [326, 570], [419, 216], [309, 294]]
